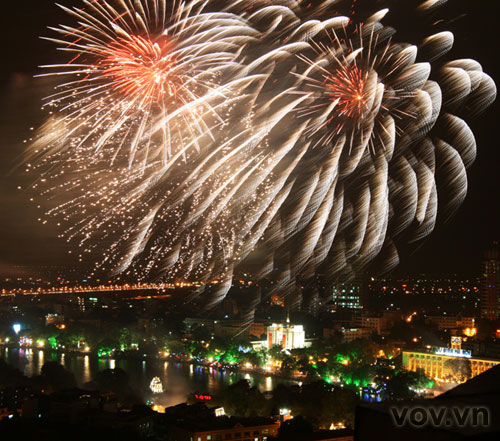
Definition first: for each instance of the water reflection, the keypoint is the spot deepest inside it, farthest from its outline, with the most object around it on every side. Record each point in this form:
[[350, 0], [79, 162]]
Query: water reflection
[[179, 380], [86, 374], [269, 384]]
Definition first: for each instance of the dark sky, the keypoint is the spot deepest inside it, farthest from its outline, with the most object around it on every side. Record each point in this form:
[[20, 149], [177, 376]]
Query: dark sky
[[453, 247]]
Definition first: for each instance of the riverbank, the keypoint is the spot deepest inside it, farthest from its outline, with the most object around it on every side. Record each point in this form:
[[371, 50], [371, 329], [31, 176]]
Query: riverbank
[[162, 356]]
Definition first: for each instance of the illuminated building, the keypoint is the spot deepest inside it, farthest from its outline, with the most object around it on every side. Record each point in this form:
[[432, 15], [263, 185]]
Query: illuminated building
[[439, 364], [490, 284], [81, 303], [219, 412], [351, 334], [287, 336], [378, 323], [237, 328], [349, 295], [54, 319], [451, 321], [224, 428], [198, 423]]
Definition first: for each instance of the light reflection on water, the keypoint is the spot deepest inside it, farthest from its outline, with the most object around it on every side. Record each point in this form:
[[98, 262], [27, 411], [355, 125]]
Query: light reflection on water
[[179, 380], [86, 374]]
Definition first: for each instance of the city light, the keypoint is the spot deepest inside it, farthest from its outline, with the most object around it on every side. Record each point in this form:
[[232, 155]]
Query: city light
[[337, 426], [470, 332], [220, 412], [217, 178], [451, 352]]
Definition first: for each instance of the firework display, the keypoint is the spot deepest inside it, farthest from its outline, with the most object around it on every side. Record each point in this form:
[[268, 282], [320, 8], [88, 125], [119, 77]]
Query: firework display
[[290, 139]]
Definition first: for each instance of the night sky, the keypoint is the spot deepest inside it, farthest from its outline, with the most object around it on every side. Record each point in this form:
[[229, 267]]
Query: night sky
[[453, 247]]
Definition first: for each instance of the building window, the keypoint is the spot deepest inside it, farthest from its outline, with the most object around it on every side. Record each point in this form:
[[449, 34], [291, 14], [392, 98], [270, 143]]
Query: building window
[[228, 436], [209, 437], [218, 437]]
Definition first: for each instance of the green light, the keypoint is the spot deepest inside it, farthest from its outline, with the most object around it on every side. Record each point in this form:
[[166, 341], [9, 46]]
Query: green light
[[52, 342]]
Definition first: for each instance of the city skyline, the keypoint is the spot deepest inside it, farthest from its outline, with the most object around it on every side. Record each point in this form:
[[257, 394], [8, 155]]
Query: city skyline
[[249, 220]]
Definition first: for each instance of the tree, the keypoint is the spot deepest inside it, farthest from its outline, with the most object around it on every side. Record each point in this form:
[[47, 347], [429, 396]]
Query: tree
[[10, 376], [276, 352], [318, 402], [403, 384], [306, 368], [176, 347], [241, 399], [56, 377], [117, 381], [458, 369], [288, 365], [262, 357], [201, 333], [125, 339]]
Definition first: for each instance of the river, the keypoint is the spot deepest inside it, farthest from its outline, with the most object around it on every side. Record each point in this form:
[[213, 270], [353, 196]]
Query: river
[[178, 379]]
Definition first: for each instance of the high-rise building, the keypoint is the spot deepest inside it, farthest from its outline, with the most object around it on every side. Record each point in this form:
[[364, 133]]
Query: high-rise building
[[349, 295], [490, 284]]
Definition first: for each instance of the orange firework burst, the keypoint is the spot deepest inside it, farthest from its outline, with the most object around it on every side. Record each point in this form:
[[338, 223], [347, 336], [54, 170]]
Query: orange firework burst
[[139, 66], [347, 85]]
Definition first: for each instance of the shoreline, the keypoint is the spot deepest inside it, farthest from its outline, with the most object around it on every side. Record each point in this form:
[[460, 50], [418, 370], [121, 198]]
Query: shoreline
[[174, 358]]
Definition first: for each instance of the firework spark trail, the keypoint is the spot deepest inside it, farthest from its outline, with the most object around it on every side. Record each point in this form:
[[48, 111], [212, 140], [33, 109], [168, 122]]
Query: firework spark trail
[[398, 140], [154, 92], [284, 139]]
